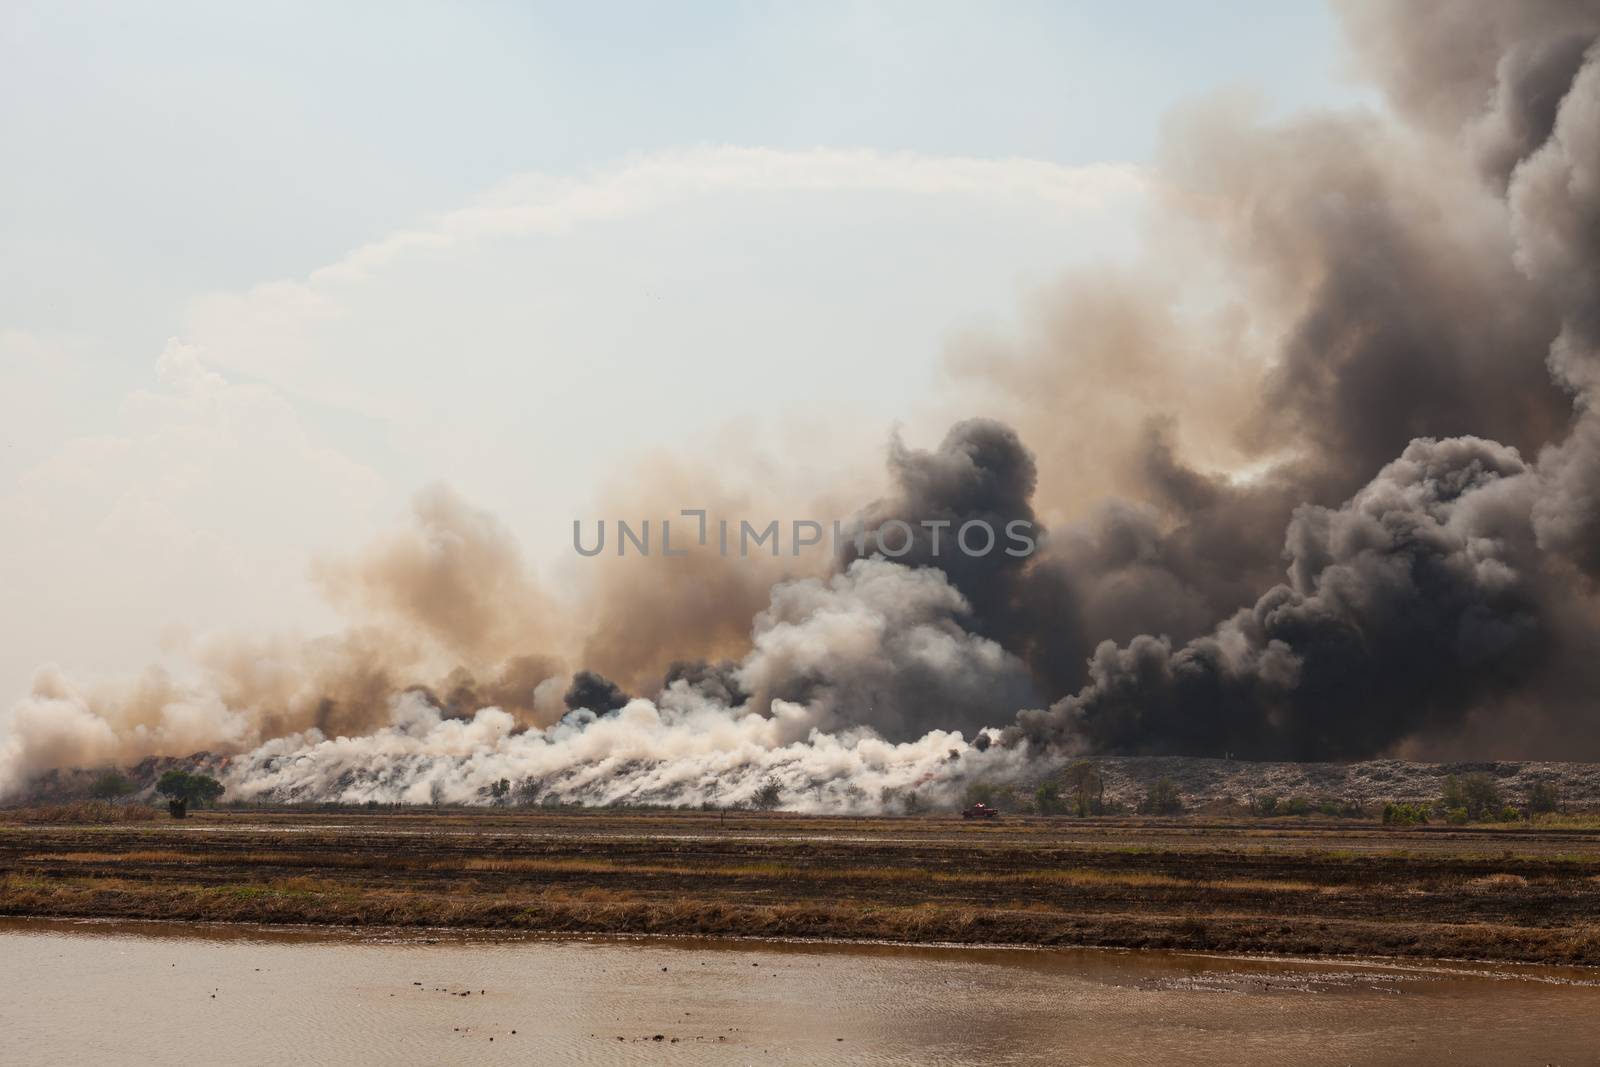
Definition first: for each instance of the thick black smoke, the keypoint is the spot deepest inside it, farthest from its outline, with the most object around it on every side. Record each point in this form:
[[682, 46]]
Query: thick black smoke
[[1448, 586], [595, 692], [1403, 608], [1436, 295]]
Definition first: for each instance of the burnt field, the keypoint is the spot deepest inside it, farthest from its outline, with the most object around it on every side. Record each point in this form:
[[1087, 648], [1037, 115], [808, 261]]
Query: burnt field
[[1522, 893]]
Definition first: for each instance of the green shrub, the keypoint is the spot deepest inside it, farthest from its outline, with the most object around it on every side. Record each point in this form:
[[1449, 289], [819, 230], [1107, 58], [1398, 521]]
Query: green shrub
[[1264, 804], [1162, 798], [1047, 798], [981, 793], [1404, 814], [1339, 809], [110, 786], [1087, 789], [1544, 798], [1475, 794]]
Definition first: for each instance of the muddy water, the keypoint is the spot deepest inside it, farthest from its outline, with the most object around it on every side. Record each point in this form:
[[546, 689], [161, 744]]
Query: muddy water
[[115, 994]]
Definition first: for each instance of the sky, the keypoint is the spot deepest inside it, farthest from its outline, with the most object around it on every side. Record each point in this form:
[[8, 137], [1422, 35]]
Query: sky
[[269, 270]]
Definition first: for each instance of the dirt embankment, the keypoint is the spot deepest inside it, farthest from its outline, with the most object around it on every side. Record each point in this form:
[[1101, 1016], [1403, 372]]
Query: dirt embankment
[[1292, 886]]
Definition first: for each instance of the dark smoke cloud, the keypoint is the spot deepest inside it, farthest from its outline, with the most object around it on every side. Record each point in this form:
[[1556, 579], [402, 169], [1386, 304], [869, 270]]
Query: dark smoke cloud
[[1528, 104], [981, 472], [595, 692], [1403, 609], [1442, 592], [1373, 298]]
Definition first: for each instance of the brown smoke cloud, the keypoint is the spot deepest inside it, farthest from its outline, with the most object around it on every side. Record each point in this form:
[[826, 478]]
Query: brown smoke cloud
[[444, 606], [640, 614]]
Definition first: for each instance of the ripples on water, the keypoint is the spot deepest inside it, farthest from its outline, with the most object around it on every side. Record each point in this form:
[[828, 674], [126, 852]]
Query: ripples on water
[[93, 993]]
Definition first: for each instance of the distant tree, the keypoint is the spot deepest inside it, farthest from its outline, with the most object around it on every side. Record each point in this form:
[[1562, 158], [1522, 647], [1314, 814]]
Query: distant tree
[[110, 786], [1544, 798], [183, 789], [1476, 795], [1295, 806], [1339, 809], [1162, 798], [1047, 798], [1265, 804], [981, 793], [768, 796], [500, 791], [1087, 788]]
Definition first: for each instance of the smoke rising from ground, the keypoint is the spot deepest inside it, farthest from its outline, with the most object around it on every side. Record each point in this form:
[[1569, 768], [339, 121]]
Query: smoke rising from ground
[[673, 754], [1321, 481]]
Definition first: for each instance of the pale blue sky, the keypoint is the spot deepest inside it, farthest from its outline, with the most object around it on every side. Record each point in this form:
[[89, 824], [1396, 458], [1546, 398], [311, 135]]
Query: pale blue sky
[[633, 220], [159, 149]]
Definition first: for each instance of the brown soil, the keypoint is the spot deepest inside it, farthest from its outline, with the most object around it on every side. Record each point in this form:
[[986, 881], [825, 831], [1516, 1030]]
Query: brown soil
[[1283, 886]]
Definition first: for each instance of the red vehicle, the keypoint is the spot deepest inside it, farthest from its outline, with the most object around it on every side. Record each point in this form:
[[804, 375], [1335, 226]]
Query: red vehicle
[[980, 811]]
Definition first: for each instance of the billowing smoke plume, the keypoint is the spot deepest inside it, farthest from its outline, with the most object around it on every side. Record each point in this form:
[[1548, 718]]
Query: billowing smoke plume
[[1342, 499], [1403, 608], [595, 692], [445, 610], [881, 645], [1448, 586]]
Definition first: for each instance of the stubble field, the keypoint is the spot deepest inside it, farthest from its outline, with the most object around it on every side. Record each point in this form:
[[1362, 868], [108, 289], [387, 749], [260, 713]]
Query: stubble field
[[1297, 886]]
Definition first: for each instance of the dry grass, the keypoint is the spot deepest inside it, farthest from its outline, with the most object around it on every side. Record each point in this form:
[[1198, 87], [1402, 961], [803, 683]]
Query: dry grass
[[1501, 880], [1159, 885], [100, 812], [594, 910], [791, 872], [134, 856], [1573, 821]]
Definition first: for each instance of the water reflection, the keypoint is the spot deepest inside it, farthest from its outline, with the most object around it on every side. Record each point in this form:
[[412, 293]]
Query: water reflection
[[109, 993]]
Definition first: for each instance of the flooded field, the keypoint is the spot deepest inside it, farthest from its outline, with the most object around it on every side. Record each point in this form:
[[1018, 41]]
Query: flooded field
[[140, 993]]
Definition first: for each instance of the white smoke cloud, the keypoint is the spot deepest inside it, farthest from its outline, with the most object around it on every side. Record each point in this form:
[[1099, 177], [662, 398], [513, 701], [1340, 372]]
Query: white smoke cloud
[[643, 754], [881, 644]]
